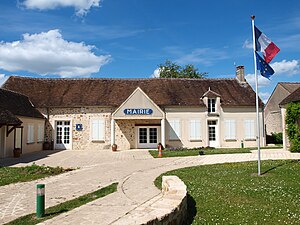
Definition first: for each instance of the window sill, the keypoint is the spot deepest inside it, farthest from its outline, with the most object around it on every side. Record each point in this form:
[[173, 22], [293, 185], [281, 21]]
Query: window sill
[[230, 140], [195, 140], [30, 143], [98, 141], [213, 114], [174, 139], [250, 139]]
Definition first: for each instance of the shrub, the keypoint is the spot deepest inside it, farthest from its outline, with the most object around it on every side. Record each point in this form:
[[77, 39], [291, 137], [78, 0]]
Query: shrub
[[277, 138], [201, 152], [293, 126], [274, 138]]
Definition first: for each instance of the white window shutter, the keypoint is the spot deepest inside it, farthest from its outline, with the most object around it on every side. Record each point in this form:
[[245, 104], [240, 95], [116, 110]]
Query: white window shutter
[[30, 135], [98, 132], [249, 129], [230, 128], [101, 129], [195, 130], [40, 133], [174, 133]]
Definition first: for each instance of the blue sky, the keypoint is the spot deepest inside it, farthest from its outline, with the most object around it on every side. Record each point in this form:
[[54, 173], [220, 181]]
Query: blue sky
[[129, 39]]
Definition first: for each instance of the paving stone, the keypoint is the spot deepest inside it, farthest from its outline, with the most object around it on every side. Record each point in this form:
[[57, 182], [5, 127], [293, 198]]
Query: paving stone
[[135, 170]]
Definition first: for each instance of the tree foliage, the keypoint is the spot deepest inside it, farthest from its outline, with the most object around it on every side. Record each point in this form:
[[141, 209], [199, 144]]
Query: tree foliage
[[293, 125], [172, 70]]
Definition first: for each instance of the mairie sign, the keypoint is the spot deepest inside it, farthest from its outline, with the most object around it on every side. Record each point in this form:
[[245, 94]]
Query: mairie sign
[[138, 111]]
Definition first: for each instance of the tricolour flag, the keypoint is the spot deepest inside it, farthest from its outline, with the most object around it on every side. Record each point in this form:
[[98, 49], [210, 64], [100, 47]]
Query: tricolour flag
[[265, 69], [265, 45]]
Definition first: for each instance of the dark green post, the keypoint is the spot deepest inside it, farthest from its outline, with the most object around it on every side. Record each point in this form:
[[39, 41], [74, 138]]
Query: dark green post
[[40, 200], [242, 144]]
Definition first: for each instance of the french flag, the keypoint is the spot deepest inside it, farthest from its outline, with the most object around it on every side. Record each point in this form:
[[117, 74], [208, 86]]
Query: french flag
[[265, 45]]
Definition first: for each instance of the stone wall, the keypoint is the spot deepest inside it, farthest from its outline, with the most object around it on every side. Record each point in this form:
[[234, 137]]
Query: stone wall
[[126, 132], [81, 140], [166, 209], [273, 122]]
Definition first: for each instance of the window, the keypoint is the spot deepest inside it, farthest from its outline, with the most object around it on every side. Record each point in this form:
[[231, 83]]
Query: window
[[211, 105], [249, 129], [30, 134], [195, 130], [18, 137], [174, 133], [98, 130], [40, 133], [230, 130]]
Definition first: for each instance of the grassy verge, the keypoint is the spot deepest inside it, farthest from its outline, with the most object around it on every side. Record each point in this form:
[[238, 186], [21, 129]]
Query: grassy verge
[[233, 193], [206, 151], [194, 152], [10, 175], [65, 207]]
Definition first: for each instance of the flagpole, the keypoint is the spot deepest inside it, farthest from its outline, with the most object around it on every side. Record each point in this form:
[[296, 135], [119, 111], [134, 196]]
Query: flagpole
[[256, 90]]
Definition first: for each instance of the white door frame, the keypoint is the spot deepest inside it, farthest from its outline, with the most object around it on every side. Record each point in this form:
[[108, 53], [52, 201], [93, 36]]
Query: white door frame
[[148, 144], [63, 146]]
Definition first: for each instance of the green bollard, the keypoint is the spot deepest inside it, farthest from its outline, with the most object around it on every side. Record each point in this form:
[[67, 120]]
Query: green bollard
[[40, 200], [242, 144]]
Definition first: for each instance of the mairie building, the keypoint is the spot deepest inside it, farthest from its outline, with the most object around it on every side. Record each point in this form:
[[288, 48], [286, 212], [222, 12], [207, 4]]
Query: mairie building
[[84, 114]]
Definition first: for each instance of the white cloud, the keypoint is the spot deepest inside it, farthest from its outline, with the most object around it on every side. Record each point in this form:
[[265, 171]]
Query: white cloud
[[81, 6], [264, 96], [262, 81], [205, 56], [48, 53], [3, 78], [286, 67], [156, 73], [248, 44]]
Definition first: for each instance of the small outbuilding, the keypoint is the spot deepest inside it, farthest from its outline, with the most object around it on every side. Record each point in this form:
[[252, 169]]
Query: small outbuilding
[[21, 125]]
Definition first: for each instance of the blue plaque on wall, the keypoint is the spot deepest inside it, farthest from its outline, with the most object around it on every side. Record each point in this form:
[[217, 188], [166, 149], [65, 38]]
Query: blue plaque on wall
[[79, 127]]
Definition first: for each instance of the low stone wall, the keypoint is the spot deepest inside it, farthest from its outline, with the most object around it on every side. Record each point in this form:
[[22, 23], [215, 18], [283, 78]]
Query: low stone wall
[[169, 208]]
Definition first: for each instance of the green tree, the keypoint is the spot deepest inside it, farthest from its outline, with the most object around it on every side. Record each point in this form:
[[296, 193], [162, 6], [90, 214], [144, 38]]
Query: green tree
[[293, 125], [172, 70]]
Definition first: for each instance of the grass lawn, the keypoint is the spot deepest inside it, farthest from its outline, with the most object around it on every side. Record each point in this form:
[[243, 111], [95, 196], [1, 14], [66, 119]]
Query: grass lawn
[[194, 152], [232, 193], [10, 175], [65, 207]]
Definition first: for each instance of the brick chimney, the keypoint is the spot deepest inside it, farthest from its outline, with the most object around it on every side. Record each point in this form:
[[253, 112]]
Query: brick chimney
[[240, 74]]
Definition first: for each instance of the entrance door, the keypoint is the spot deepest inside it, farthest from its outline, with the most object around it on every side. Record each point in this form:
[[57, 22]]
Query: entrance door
[[63, 129], [212, 133], [148, 137]]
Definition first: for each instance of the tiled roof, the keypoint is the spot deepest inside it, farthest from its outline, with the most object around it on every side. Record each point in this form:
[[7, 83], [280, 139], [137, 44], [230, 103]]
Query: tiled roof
[[113, 92], [8, 118], [17, 104], [293, 97], [290, 86]]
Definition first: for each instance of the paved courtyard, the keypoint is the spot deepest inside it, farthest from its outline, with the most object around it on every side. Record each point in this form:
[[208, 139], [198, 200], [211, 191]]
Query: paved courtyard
[[135, 170]]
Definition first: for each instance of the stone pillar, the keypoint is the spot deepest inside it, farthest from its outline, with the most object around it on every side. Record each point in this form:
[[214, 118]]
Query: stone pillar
[[112, 131], [163, 132]]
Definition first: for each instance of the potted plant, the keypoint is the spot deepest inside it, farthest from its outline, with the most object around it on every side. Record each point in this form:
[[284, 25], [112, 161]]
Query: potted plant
[[114, 147], [17, 152]]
